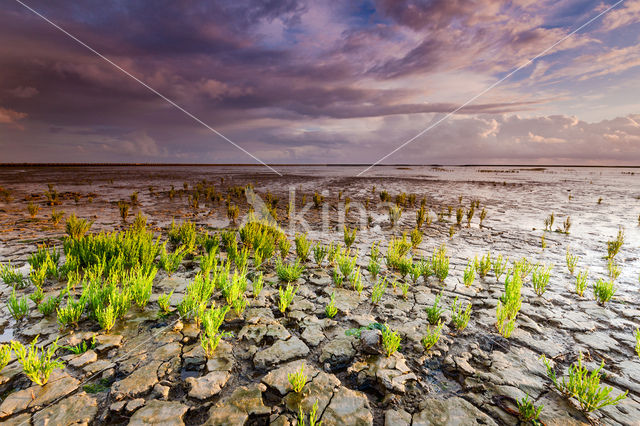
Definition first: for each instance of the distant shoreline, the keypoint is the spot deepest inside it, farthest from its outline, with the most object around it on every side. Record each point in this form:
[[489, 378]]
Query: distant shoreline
[[305, 165]]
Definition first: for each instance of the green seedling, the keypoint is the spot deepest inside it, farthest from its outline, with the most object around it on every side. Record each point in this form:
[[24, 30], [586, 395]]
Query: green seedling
[[581, 282], [297, 380], [18, 308], [434, 312], [528, 412], [603, 291], [37, 363], [459, 316], [330, 310], [433, 336], [286, 297], [390, 340]]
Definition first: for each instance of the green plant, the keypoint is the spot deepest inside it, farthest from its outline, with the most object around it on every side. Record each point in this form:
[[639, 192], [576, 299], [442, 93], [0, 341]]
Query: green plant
[[421, 216], [338, 279], [284, 245], [37, 295], [613, 246], [459, 215], [566, 225], [289, 272], [164, 301], [636, 334], [312, 416], [548, 222], [434, 312], [185, 234], [440, 263], [171, 261], [77, 228], [330, 310], [37, 363], [416, 238], [319, 253], [613, 269], [56, 216], [499, 266], [581, 282], [483, 216], [19, 308], [349, 236], [603, 291], [286, 297], [233, 212], [469, 274], [210, 342], [356, 282], [459, 316], [373, 268], [71, 313], [378, 291], [257, 285], [50, 305], [470, 212], [297, 380], [33, 209], [395, 212], [318, 199], [123, 207], [540, 279], [432, 337], [528, 412], [510, 303], [106, 317], [11, 276], [484, 265], [584, 386], [572, 261], [303, 246], [81, 347], [390, 340]]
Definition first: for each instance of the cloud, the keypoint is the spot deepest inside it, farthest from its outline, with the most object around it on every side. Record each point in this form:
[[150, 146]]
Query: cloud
[[627, 13], [11, 117]]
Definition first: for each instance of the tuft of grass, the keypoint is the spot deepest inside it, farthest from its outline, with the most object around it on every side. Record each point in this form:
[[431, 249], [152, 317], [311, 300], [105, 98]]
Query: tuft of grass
[[421, 216], [613, 246], [390, 340], [434, 312], [164, 301], [297, 380], [123, 207], [584, 386], [433, 336], [258, 284], [289, 272], [70, 314], [603, 291], [460, 316], [50, 305], [499, 266], [378, 291], [286, 297], [313, 420], [613, 269], [77, 228], [330, 310], [349, 236], [303, 247], [581, 282], [320, 253], [469, 273], [37, 363], [5, 355], [81, 347], [540, 279], [416, 238], [395, 213], [18, 308], [528, 412], [11, 276]]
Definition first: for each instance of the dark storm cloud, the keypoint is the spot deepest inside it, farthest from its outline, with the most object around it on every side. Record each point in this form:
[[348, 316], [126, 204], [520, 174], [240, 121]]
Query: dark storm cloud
[[263, 72]]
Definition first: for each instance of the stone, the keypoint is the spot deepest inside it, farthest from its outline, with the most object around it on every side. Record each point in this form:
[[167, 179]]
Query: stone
[[86, 358], [167, 413], [371, 342], [222, 359], [59, 385], [134, 404], [106, 342], [391, 373], [161, 391], [21, 420], [77, 409], [397, 418], [207, 386], [281, 351], [137, 383], [455, 410], [279, 379], [338, 352], [348, 407], [245, 401], [168, 352]]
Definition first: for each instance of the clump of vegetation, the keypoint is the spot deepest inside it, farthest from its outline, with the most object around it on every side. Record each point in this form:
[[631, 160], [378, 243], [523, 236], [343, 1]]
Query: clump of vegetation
[[460, 316], [320, 253], [416, 238], [378, 291], [37, 363], [70, 314], [210, 336], [123, 207], [499, 266], [18, 308], [171, 261], [603, 291], [440, 263], [395, 212], [548, 222], [528, 412], [77, 228], [510, 303], [303, 247], [33, 209], [584, 386], [5, 355], [637, 336], [483, 216], [484, 265], [297, 380], [469, 273], [390, 340], [581, 282], [613, 269], [433, 336], [313, 421], [349, 236], [56, 216], [330, 310], [289, 272], [286, 297], [434, 312], [613, 246], [421, 216], [572, 261], [540, 279], [11, 276]]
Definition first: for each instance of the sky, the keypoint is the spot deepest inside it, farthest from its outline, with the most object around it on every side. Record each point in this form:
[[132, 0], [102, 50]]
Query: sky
[[297, 81]]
